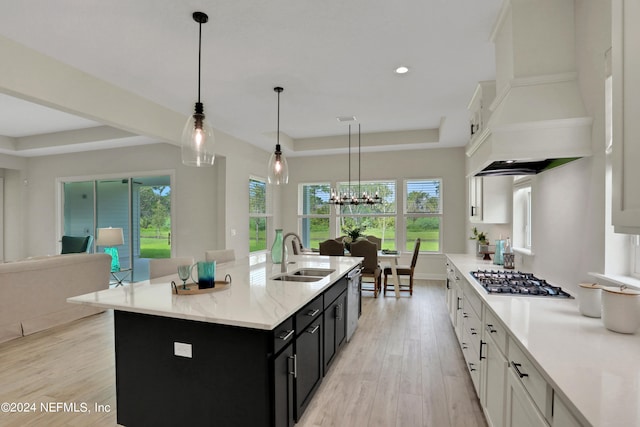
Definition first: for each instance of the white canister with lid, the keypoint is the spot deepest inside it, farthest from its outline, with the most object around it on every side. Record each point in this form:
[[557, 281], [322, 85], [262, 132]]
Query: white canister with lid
[[590, 299], [621, 309]]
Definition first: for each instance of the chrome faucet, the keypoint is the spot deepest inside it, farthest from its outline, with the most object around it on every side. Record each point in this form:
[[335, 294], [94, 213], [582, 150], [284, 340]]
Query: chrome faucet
[[283, 267]]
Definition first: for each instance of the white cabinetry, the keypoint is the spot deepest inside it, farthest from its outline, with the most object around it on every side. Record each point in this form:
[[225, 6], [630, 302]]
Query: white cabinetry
[[562, 417], [478, 107], [490, 199], [451, 293], [521, 411], [626, 110], [494, 370], [512, 389]]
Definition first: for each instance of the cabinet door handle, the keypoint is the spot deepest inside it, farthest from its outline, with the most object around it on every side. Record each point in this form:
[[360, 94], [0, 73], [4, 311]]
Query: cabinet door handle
[[481, 344], [472, 367], [516, 366], [294, 359], [339, 312], [473, 331], [286, 335], [490, 329], [465, 315], [464, 345], [313, 330], [458, 306], [313, 313], [473, 211], [448, 287]]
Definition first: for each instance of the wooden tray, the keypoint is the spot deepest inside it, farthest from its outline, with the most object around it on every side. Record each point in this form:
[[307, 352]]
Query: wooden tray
[[192, 288]]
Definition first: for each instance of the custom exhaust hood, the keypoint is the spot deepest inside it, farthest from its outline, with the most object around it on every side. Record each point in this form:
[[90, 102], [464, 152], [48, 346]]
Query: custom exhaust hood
[[537, 120]]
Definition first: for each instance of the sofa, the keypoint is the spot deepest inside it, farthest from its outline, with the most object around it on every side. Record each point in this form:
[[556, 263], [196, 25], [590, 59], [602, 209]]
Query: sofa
[[34, 292]]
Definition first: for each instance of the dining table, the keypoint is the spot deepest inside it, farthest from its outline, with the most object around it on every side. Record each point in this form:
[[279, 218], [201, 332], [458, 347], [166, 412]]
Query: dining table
[[392, 258]]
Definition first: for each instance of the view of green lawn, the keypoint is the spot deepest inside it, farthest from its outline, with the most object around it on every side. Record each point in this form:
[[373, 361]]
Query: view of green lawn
[[153, 245]]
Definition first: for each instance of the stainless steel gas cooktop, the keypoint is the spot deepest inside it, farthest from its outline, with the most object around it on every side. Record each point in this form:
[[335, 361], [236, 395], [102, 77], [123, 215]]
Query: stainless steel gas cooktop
[[517, 283]]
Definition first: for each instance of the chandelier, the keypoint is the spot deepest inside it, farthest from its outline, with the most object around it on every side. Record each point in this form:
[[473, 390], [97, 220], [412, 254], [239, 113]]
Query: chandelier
[[356, 197]]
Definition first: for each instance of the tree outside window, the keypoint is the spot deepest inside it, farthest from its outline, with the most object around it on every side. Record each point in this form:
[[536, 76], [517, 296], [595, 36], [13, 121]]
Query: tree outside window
[[257, 215], [423, 214]]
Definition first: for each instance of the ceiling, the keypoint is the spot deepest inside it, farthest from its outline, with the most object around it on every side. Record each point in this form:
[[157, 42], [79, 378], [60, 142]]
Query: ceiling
[[333, 58]]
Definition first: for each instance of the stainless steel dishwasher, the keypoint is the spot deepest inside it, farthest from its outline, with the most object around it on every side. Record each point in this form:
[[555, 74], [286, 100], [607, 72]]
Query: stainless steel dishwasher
[[353, 300]]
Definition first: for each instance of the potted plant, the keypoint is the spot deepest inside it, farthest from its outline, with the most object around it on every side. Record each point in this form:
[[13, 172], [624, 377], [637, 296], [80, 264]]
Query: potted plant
[[352, 234], [482, 244]]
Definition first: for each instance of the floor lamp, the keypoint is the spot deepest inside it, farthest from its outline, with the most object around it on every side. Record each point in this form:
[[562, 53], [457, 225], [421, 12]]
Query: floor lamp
[[109, 238]]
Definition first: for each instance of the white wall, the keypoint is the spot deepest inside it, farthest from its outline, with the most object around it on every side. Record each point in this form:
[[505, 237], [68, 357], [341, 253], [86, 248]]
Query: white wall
[[207, 201], [445, 163]]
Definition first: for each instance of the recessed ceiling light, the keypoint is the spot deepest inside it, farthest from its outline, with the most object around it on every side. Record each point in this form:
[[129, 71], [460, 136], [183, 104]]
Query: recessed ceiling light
[[402, 70], [346, 118]]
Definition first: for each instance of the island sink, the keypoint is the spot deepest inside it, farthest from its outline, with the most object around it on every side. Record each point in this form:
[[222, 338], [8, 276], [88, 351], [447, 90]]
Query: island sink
[[316, 272], [292, 278]]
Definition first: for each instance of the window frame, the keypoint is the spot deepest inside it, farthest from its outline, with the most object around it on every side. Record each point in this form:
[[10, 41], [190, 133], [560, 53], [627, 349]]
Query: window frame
[[266, 215], [522, 214], [302, 216], [358, 216], [407, 214]]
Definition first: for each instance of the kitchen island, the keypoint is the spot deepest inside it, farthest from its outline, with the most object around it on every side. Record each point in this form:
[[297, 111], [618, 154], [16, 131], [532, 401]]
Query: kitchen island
[[539, 355], [252, 354]]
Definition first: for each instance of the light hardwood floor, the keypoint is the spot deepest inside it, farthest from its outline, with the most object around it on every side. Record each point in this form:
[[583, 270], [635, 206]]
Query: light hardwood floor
[[402, 368]]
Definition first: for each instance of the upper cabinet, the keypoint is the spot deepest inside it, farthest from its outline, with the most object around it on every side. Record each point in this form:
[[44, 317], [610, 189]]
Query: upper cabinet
[[478, 107], [626, 110], [490, 199]]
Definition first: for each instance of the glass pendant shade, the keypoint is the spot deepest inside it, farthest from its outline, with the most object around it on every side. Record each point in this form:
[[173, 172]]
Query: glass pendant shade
[[198, 142], [278, 169]]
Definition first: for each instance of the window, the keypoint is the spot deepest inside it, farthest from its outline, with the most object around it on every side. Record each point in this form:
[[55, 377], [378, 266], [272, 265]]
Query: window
[[314, 214], [635, 256], [423, 214], [377, 220], [257, 215], [522, 213]]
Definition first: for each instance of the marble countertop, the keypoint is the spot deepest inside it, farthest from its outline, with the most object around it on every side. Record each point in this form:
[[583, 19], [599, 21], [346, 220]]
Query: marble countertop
[[595, 369], [253, 299]]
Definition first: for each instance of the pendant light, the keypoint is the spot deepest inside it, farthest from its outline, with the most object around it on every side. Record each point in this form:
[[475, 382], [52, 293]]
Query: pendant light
[[349, 197], [278, 168], [197, 136], [364, 197]]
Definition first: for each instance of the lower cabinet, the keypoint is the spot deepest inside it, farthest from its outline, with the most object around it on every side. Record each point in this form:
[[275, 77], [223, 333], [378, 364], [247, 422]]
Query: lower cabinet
[[562, 417], [335, 329], [308, 364], [521, 409], [493, 385], [284, 375], [513, 392]]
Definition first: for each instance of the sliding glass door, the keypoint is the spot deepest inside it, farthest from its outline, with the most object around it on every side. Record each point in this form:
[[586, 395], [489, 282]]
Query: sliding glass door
[[140, 206]]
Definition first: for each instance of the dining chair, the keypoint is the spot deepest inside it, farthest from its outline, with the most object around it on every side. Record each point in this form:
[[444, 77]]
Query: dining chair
[[298, 249], [159, 267], [404, 270], [332, 247], [220, 256], [376, 240], [370, 267]]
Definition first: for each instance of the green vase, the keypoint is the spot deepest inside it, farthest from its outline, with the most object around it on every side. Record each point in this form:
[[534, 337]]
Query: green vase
[[276, 248]]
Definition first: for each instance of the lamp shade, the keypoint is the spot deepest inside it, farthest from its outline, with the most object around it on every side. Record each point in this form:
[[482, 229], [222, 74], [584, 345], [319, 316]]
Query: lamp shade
[[278, 169], [110, 237], [198, 140]]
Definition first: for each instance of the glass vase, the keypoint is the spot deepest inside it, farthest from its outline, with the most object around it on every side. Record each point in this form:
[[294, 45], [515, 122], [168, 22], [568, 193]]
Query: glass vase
[[276, 248]]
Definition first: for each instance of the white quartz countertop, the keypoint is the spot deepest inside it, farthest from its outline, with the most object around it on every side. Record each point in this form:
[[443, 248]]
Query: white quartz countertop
[[595, 369], [253, 300]]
